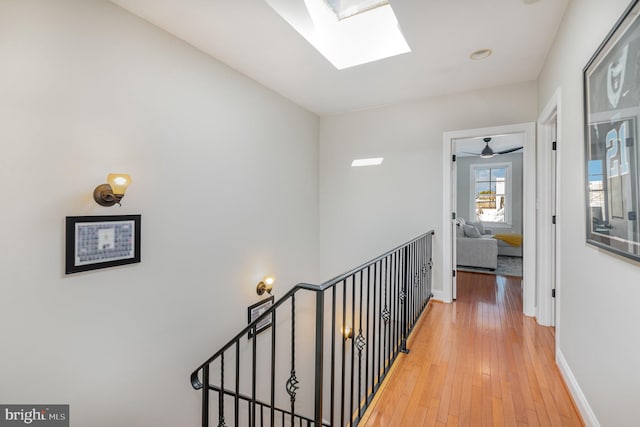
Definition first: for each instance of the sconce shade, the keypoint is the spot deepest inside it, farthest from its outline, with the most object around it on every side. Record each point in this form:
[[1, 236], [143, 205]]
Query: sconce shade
[[265, 285], [118, 182], [111, 193], [347, 332]]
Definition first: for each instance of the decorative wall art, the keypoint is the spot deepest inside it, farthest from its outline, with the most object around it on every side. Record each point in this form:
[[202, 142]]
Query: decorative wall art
[[612, 108], [94, 242], [255, 311]]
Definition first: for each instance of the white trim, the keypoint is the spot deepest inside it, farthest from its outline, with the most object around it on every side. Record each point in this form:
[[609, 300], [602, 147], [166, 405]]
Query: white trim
[[439, 295], [528, 207], [544, 310], [588, 416]]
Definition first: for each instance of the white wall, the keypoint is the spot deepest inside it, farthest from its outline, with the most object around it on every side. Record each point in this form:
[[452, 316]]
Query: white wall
[[224, 175], [598, 292], [463, 166], [365, 211]]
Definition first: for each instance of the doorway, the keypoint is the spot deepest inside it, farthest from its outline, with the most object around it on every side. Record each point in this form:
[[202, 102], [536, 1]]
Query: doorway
[[527, 130], [489, 198]]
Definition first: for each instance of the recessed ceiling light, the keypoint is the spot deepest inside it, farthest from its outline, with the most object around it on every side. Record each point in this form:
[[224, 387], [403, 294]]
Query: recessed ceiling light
[[530, 1], [374, 161], [480, 54]]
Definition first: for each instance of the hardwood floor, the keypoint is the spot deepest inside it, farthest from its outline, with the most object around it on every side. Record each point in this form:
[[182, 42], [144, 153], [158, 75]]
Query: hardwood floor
[[477, 362]]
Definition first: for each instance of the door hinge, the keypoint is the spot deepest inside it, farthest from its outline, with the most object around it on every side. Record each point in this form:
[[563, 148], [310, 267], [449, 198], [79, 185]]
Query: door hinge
[[453, 158], [453, 215], [454, 273], [553, 220], [553, 293], [554, 145]]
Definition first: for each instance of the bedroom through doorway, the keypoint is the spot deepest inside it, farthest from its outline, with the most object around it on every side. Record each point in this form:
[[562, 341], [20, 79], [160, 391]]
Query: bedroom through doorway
[[489, 206], [489, 195]]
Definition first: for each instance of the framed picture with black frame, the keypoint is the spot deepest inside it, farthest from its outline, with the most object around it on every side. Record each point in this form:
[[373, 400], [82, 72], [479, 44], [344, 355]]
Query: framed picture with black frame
[[256, 310], [612, 152], [94, 242]]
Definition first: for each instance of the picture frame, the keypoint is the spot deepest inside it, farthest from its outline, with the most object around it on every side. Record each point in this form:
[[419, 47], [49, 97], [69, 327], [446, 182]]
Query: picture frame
[[612, 143], [94, 242], [256, 310]]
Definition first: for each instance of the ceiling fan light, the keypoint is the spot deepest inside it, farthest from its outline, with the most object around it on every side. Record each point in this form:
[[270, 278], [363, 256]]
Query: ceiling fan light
[[487, 152]]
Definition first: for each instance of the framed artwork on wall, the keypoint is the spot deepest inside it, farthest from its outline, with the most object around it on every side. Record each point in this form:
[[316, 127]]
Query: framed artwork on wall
[[255, 311], [611, 111], [94, 242]]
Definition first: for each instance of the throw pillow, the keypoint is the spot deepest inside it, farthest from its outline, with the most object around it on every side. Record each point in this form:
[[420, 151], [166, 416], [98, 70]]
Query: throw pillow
[[477, 225], [471, 231]]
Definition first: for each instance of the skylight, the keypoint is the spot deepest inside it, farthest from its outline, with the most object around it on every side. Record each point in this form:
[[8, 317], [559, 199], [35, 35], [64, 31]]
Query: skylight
[[346, 8], [346, 32], [373, 161]]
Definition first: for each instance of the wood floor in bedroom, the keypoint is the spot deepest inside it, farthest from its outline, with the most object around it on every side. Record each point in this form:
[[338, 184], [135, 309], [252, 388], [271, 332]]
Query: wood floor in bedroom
[[477, 362]]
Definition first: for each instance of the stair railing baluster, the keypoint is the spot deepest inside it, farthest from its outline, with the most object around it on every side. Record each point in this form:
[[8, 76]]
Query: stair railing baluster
[[360, 343], [367, 339], [407, 303], [221, 422], [319, 359], [292, 383], [273, 369], [342, 358], [236, 398], [205, 396], [353, 327], [254, 351], [333, 355]]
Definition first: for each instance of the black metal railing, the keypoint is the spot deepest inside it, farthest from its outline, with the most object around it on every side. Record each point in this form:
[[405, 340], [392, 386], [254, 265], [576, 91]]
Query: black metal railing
[[328, 347]]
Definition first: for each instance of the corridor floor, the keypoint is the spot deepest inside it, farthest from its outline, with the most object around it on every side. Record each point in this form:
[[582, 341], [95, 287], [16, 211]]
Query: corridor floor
[[476, 362]]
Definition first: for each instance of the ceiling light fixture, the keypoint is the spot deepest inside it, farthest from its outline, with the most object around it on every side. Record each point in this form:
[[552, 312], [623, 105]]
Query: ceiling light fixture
[[480, 54], [374, 161]]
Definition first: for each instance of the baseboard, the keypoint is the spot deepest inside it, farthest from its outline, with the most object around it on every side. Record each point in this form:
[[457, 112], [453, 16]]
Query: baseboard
[[588, 416], [439, 295]]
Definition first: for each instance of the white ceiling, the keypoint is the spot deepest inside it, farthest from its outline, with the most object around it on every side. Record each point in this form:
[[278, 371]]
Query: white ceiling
[[249, 36]]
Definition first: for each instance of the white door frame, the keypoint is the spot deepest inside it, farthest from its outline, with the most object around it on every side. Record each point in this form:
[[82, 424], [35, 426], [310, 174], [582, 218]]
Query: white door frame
[[528, 208], [545, 310]]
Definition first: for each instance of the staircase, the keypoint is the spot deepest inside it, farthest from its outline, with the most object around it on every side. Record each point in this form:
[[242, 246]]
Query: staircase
[[320, 353]]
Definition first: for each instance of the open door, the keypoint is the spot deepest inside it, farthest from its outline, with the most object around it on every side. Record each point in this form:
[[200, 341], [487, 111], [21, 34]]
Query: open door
[[454, 231], [553, 195]]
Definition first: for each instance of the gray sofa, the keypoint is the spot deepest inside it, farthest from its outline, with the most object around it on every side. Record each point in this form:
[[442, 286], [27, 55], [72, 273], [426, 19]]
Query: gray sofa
[[474, 249]]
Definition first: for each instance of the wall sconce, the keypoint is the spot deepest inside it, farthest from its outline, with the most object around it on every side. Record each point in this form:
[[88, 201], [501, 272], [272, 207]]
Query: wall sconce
[[111, 193], [347, 332], [265, 285]]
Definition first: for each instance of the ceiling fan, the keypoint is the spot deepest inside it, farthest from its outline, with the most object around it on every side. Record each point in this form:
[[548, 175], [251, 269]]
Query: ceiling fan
[[487, 152]]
